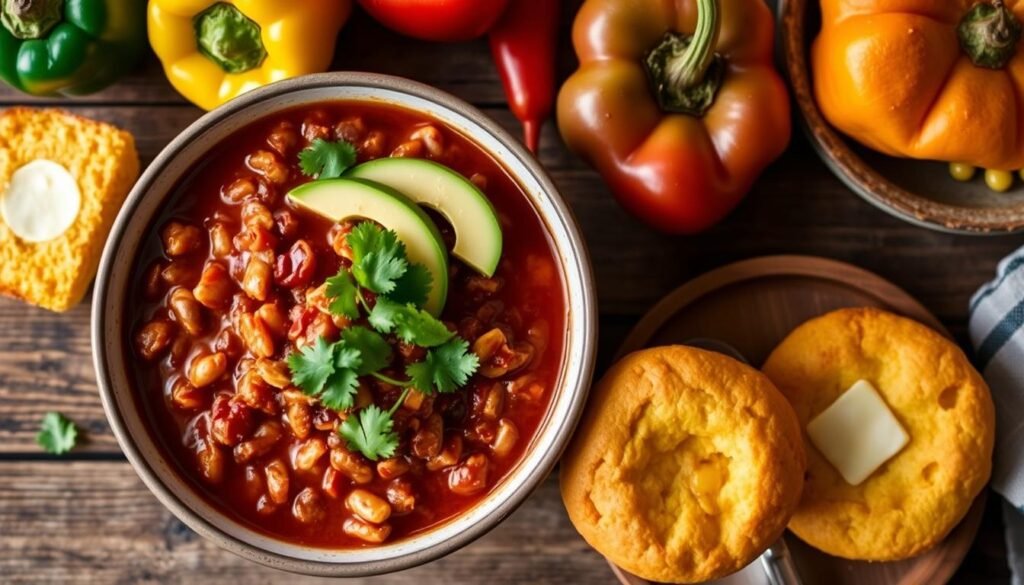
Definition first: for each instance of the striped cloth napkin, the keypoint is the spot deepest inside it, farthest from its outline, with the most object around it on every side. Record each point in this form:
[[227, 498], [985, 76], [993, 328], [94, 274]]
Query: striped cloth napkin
[[996, 326]]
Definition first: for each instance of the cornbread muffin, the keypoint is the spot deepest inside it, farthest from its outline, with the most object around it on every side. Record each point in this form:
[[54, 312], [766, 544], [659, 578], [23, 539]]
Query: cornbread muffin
[[56, 273], [914, 500], [686, 466]]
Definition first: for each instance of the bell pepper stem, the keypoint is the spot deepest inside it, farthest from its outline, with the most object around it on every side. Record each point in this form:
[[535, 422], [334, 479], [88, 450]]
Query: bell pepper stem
[[685, 71], [989, 34], [31, 19], [229, 38]]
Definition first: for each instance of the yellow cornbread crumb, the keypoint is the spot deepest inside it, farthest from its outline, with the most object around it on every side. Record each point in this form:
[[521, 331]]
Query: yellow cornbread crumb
[[685, 467], [912, 502], [103, 161]]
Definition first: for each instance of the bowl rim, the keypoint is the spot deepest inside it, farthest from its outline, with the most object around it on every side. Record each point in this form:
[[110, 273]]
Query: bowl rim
[[581, 276], [851, 169]]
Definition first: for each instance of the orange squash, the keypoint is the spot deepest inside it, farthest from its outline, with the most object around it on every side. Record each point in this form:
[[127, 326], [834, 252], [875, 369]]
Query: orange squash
[[927, 79]]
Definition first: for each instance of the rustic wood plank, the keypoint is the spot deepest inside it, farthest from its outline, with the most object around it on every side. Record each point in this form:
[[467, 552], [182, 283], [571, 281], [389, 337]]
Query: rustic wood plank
[[96, 522]]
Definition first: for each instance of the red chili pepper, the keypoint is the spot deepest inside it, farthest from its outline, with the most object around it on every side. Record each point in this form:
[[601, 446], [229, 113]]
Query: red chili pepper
[[523, 44], [437, 20]]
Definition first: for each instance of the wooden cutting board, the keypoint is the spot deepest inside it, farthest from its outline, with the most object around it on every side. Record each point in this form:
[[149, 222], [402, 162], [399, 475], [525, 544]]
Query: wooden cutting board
[[753, 305]]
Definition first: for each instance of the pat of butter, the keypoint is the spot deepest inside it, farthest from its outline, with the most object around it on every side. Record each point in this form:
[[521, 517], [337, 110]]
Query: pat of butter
[[857, 433], [41, 202]]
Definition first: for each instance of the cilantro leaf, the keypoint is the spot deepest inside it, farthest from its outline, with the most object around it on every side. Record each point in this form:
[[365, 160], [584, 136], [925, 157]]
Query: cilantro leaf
[[384, 316], [370, 432], [340, 390], [312, 366], [347, 358], [327, 160], [379, 270], [374, 350], [368, 237], [446, 368], [413, 286], [412, 325], [342, 292], [57, 434]]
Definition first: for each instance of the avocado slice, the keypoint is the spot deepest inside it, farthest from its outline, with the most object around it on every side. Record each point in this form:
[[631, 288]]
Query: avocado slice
[[341, 199], [478, 239]]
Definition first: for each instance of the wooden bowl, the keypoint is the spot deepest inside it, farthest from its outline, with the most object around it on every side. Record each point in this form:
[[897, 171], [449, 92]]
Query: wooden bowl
[[752, 305], [920, 192]]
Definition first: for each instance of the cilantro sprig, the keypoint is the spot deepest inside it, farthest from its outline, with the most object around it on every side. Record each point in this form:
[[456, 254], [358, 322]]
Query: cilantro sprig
[[331, 371], [327, 160], [57, 434]]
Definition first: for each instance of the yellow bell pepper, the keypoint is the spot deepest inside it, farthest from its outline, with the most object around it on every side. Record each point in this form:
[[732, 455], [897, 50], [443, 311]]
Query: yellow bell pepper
[[213, 50]]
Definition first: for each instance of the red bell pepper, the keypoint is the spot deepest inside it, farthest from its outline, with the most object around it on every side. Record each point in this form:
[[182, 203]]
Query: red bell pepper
[[524, 46], [438, 20]]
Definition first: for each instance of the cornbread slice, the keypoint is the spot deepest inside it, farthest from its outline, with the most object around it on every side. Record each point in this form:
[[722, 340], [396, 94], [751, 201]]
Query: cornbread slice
[[102, 158]]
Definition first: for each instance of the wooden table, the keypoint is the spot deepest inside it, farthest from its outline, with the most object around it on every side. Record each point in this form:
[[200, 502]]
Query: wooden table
[[86, 517]]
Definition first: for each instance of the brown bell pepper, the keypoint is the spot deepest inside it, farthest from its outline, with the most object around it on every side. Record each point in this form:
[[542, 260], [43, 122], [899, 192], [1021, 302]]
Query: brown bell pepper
[[676, 103]]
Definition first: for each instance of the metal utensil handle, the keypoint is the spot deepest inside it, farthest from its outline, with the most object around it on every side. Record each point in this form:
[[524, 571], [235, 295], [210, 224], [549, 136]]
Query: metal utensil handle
[[778, 564]]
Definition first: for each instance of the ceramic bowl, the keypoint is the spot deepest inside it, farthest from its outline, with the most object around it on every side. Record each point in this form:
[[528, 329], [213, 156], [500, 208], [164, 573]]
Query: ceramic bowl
[[920, 192], [149, 197]]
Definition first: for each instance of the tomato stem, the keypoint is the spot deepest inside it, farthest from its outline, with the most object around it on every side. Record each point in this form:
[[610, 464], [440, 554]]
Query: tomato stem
[[989, 34], [31, 19], [685, 71]]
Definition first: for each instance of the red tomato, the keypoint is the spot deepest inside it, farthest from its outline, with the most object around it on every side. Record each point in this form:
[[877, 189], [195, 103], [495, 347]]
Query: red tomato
[[437, 20]]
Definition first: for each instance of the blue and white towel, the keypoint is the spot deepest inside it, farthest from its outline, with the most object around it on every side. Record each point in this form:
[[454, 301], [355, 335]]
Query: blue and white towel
[[996, 328]]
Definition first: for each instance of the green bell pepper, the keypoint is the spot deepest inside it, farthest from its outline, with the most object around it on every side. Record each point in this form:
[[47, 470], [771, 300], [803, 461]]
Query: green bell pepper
[[69, 47]]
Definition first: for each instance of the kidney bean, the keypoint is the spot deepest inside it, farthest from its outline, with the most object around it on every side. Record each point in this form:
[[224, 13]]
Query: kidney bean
[[187, 311], [266, 437], [254, 239], [255, 393], [207, 369], [470, 477], [228, 343], [238, 190], [333, 482], [300, 419], [180, 273], [154, 338], [309, 507], [274, 372], [230, 421], [256, 336], [352, 465], [283, 138], [309, 453], [350, 130], [426, 443], [296, 268], [448, 456], [392, 468], [267, 164], [365, 531], [220, 241], [274, 318], [277, 481], [185, 396], [287, 224], [181, 239], [506, 438], [368, 506], [401, 496], [215, 286], [210, 460], [257, 279]]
